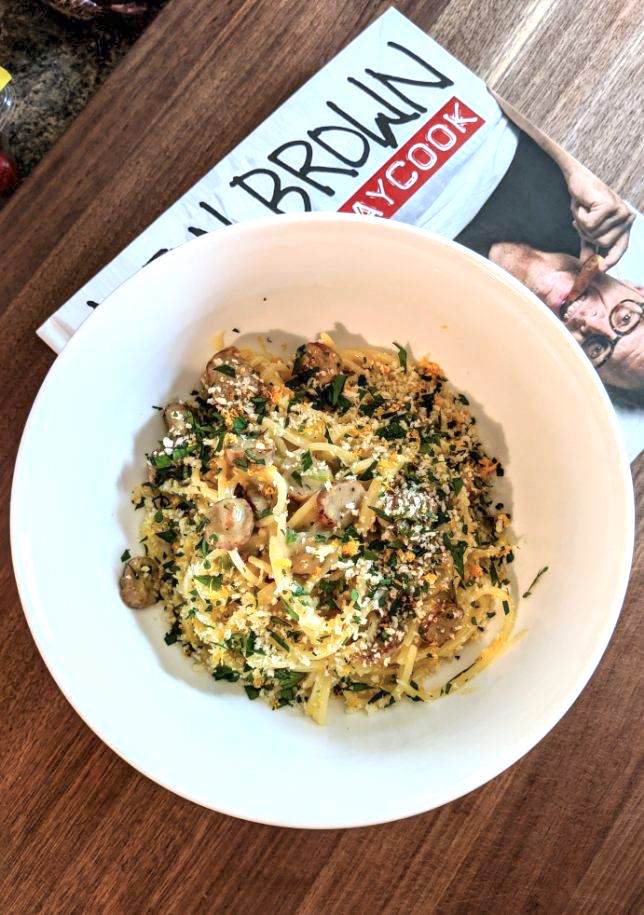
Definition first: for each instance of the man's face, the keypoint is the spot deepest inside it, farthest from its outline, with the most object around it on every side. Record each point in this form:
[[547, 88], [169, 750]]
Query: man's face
[[606, 320]]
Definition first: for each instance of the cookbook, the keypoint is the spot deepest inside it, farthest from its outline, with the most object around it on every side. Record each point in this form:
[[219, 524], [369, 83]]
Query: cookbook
[[396, 127]]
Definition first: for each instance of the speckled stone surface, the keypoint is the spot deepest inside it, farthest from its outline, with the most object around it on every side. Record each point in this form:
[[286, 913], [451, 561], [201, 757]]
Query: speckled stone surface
[[56, 64]]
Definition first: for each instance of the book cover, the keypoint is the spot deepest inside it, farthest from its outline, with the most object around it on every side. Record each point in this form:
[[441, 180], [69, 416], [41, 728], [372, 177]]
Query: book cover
[[395, 126]]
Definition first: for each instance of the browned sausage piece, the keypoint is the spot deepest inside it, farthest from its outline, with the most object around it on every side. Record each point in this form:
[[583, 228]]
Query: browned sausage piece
[[177, 419], [231, 522], [303, 561], [238, 381], [443, 622], [139, 583], [320, 359], [301, 493], [338, 506]]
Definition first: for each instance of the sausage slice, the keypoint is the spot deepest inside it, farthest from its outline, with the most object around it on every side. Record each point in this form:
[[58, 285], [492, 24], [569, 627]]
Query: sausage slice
[[338, 506], [321, 360], [227, 378], [231, 521], [177, 419], [139, 583]]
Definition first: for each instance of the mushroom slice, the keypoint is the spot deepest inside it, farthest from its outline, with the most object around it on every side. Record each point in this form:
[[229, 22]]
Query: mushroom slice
[[230, 523], [139, 582], [177, 418], [228, 378], [338, 506], [321, 361]]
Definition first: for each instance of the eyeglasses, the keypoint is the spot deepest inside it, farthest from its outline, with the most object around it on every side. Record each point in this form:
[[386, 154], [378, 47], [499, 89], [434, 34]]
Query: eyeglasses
[[623, 319]]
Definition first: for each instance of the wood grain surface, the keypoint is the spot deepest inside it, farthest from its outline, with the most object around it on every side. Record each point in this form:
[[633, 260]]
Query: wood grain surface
[[80, 831]]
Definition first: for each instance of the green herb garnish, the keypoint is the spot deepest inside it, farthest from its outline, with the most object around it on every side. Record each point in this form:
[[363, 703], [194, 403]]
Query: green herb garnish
[[307, 461], [534, 581], [224, 672], [380, 513], [161, 460], [402, 356], [226, 370], [125, 555], [172, 636], [280, 641], [457, 550], [290, 611], [169, 536], [337, 386], [368, 473], [391, 431], [210, 581]]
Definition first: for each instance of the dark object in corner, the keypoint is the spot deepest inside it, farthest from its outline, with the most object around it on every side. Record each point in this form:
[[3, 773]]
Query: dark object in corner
[[90, 9]]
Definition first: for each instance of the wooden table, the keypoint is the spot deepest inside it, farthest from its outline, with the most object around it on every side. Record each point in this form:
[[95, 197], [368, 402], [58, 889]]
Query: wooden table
[[79, 829]]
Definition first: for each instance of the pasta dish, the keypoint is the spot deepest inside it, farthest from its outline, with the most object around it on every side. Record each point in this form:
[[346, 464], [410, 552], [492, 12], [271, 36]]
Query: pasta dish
[[324, 525]]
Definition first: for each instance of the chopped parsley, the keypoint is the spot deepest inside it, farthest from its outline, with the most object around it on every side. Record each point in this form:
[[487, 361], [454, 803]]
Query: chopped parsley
[[224, 672], [402, 356], [173, 634], [210, 581], [226, 370], [534, 581], [368, 473], [278, 638], [457, 551], [380, 513], [169, 536], [337, 387], [161, 460], [290, 611], [307, 461], [392, 430]]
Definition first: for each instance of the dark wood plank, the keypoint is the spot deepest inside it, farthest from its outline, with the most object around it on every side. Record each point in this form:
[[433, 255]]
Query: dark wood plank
[[80, 830]]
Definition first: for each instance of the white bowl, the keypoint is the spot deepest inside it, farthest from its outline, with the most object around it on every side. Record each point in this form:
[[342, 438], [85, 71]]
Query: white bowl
[[541, 410]]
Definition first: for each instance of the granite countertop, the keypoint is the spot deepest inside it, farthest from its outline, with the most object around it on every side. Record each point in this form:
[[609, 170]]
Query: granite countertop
[[56, 64]]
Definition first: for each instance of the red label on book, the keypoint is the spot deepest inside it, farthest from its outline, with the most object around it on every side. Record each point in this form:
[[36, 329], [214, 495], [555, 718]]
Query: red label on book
[[415, 162]]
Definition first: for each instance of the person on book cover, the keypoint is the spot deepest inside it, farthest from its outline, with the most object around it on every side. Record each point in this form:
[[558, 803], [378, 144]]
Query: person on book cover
[[547, 215]]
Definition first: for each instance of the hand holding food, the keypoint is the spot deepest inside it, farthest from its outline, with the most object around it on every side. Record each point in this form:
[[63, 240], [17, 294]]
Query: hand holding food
[[602, 218]]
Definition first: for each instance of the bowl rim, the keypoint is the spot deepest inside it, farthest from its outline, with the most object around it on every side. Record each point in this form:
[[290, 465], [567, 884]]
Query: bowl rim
[[621, 471]]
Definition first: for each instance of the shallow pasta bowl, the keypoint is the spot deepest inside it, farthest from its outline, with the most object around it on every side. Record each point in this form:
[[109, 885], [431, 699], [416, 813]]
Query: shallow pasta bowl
[[540, 409]]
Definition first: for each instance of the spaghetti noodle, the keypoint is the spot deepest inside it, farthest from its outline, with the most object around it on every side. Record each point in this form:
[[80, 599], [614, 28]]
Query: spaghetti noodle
[[325, 525]]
